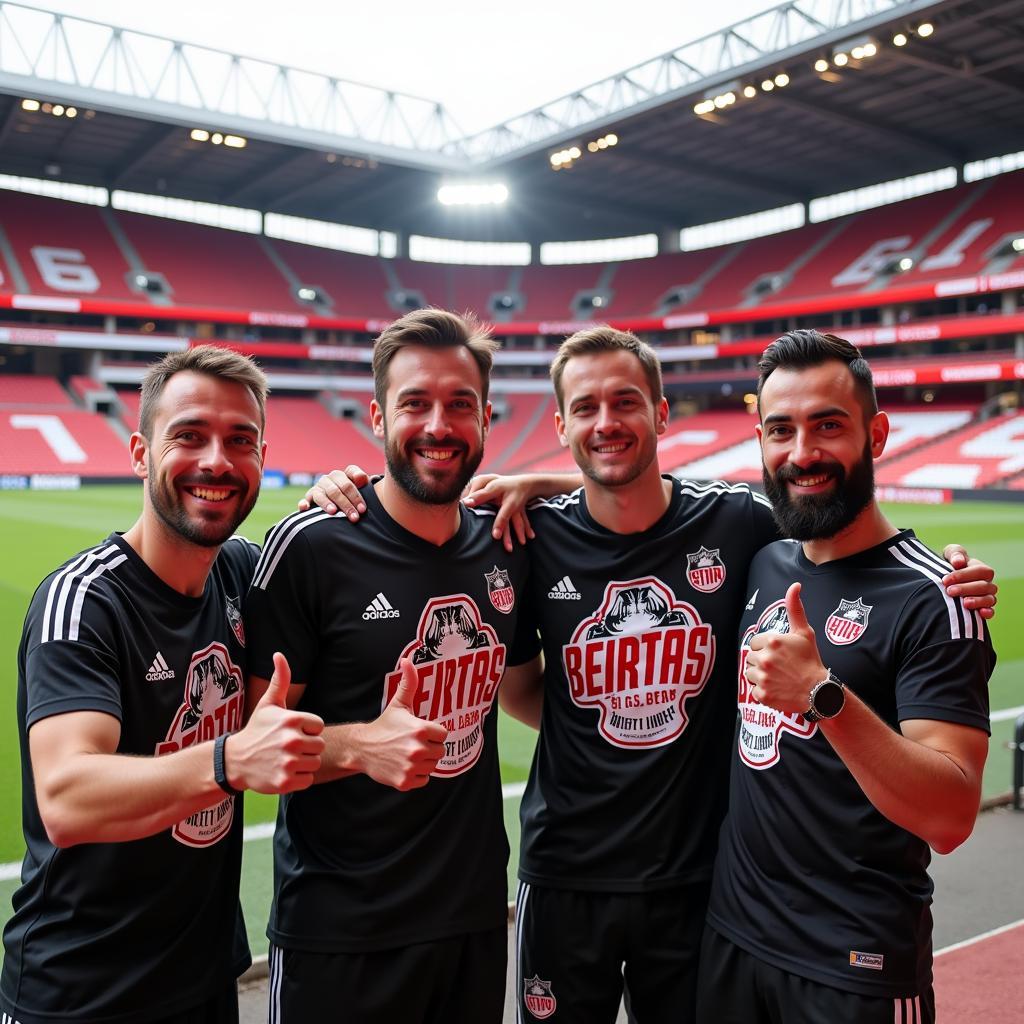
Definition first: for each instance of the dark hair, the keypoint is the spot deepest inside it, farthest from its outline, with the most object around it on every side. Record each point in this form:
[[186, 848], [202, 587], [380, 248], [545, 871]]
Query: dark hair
[[212, 360], [806, 348], [432, 328], [606, 339]]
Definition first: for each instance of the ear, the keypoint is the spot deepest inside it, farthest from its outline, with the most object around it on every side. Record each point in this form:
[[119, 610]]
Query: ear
[[560, 430], [138, 449], [759, 431], [878, 433], [487, 420], [662, 416], [377, 419], [263, 455]]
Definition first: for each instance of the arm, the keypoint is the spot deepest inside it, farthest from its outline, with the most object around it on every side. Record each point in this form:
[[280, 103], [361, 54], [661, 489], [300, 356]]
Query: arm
[[88, 793], [397, 749], [926, 779], [512, 494], [338, 491], [521, 693]]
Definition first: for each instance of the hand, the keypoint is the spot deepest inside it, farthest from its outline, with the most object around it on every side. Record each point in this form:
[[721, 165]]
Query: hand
[[511, 494], [970, 579], [338, 491], [399, 749], [279, 750], [783, 668]]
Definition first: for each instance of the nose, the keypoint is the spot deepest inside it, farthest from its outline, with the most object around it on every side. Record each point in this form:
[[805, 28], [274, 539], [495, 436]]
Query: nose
[[437, 422], [214, 458], [805, 450], [607, 418]]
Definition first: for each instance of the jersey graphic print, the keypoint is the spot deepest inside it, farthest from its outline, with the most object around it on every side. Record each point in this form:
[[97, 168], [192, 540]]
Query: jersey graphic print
[[539, 998], [705, 570], [233, 608], [848, 621], [638, 658], [459, 663], [214, 697], [761, 726], [500, 590]]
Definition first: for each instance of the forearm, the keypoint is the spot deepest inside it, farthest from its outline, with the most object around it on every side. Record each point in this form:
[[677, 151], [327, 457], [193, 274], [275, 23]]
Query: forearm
[[110, 798], [524, 707], [343, 752], [921, 789]]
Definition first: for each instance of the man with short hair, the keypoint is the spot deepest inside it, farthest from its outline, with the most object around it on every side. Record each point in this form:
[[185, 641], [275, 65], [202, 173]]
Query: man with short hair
[[637, 586], [130, 707], [390, 876], [863, 725]]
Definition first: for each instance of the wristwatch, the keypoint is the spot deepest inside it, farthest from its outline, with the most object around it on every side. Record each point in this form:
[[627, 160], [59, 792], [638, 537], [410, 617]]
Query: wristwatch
[[220, 775], [826, 699]]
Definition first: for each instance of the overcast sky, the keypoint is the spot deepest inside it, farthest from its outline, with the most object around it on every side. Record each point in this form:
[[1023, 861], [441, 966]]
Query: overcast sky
[[484, 61]]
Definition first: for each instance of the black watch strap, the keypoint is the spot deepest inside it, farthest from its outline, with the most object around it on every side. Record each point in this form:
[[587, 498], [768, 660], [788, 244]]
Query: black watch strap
[[220, 775]]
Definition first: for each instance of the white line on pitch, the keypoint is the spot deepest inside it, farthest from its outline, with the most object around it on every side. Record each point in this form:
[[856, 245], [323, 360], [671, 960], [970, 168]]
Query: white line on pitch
[[1002, 716], [980, 938]]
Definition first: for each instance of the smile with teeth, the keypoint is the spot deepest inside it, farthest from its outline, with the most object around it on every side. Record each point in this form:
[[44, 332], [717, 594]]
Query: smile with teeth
[[611, 449], [811, 481], [437, 454], [210, 493]]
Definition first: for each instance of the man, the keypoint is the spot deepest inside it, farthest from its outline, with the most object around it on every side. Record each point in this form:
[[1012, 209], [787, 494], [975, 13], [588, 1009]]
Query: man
[[130, 704], [863, 725], [390, 885], [637, 587]]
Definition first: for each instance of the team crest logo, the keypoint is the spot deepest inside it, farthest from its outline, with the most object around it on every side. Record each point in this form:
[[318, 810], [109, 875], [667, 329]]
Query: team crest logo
[[638, 659], [848, 621], [539, 998], [705, 570], [212, 706], [500, 590], [235, 619], [459, 661], [761, 727]]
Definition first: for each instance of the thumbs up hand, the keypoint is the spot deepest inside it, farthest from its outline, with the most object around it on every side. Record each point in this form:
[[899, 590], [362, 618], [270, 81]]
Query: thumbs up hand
[[399, 749], [279, 750], [783, 668]]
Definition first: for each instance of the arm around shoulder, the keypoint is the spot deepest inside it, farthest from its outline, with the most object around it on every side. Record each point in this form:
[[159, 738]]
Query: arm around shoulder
[[521, 694]]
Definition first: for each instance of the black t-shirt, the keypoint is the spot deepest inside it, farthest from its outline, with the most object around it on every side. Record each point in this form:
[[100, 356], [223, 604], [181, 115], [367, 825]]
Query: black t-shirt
[[630, 777], [358, 865], [810, 877], [127, 931]]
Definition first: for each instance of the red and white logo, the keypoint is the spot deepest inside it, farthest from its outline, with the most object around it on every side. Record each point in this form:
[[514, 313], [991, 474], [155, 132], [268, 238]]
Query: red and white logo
[[500, 590], [539, 998], [212, 706], [459, 661], [848, 622], [705, 570], [761, 726], [235, 619], [638, 659]]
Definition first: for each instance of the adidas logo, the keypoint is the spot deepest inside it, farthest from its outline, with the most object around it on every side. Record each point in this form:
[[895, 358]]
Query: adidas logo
[[380, 608], [159, 671], [563, 590]]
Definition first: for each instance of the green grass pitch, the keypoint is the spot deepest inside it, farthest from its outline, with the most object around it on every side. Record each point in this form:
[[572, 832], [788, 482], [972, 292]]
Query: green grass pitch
[[40, 530]]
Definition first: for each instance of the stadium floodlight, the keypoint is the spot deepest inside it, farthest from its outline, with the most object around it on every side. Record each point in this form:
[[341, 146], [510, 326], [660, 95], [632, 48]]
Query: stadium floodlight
[[199, 135], [477, 193], [821, 65], [235, 141], [749, 91], [58, 110], [782, 79], [30, 105], [71, 112], [840, 59], [767, 85], [899, 39], [925, 29]]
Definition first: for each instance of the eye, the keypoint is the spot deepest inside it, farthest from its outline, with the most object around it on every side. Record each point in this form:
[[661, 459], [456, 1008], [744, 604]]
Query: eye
[[186, 435]]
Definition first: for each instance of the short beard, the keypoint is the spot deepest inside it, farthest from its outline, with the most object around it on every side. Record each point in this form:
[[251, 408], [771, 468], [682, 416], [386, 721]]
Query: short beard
[[173, 514], [428, 492], [817, 517]]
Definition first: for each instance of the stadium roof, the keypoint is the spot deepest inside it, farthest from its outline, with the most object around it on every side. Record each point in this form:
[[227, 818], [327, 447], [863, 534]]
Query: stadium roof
[[318, 147]]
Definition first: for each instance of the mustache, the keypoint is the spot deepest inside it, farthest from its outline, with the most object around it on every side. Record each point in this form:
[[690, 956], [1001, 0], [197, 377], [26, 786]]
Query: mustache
[[790, 471], [225, 480], [429, 441]]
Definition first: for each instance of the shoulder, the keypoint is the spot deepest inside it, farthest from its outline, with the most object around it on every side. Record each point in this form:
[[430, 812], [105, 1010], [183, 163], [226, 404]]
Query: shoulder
[[293, 536], [240, 554], [562, 506], [741, 497], [79, 590]]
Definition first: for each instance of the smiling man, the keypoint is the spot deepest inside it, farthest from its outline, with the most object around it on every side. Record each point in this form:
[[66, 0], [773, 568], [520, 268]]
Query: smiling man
[[390, 877], [131, 694], [863, 725]]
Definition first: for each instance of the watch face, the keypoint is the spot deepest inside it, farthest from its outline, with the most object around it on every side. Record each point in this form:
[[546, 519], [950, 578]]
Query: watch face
[[829, 699]]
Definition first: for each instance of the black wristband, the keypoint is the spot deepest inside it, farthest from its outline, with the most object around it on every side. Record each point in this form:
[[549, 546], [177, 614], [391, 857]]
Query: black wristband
[[220, 775]]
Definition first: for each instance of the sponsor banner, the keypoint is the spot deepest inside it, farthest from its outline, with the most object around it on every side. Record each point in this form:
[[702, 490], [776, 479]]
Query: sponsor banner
[[914, 495], [55, 482], [13, 482], [274, 479]]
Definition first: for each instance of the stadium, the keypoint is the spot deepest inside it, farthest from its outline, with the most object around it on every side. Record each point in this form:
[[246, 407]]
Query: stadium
[[854, 167]]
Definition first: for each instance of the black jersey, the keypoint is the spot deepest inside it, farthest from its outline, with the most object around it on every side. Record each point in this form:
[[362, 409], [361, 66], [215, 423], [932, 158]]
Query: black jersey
[[630, 777], [360, 866], [129, 931], [810, 877]]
